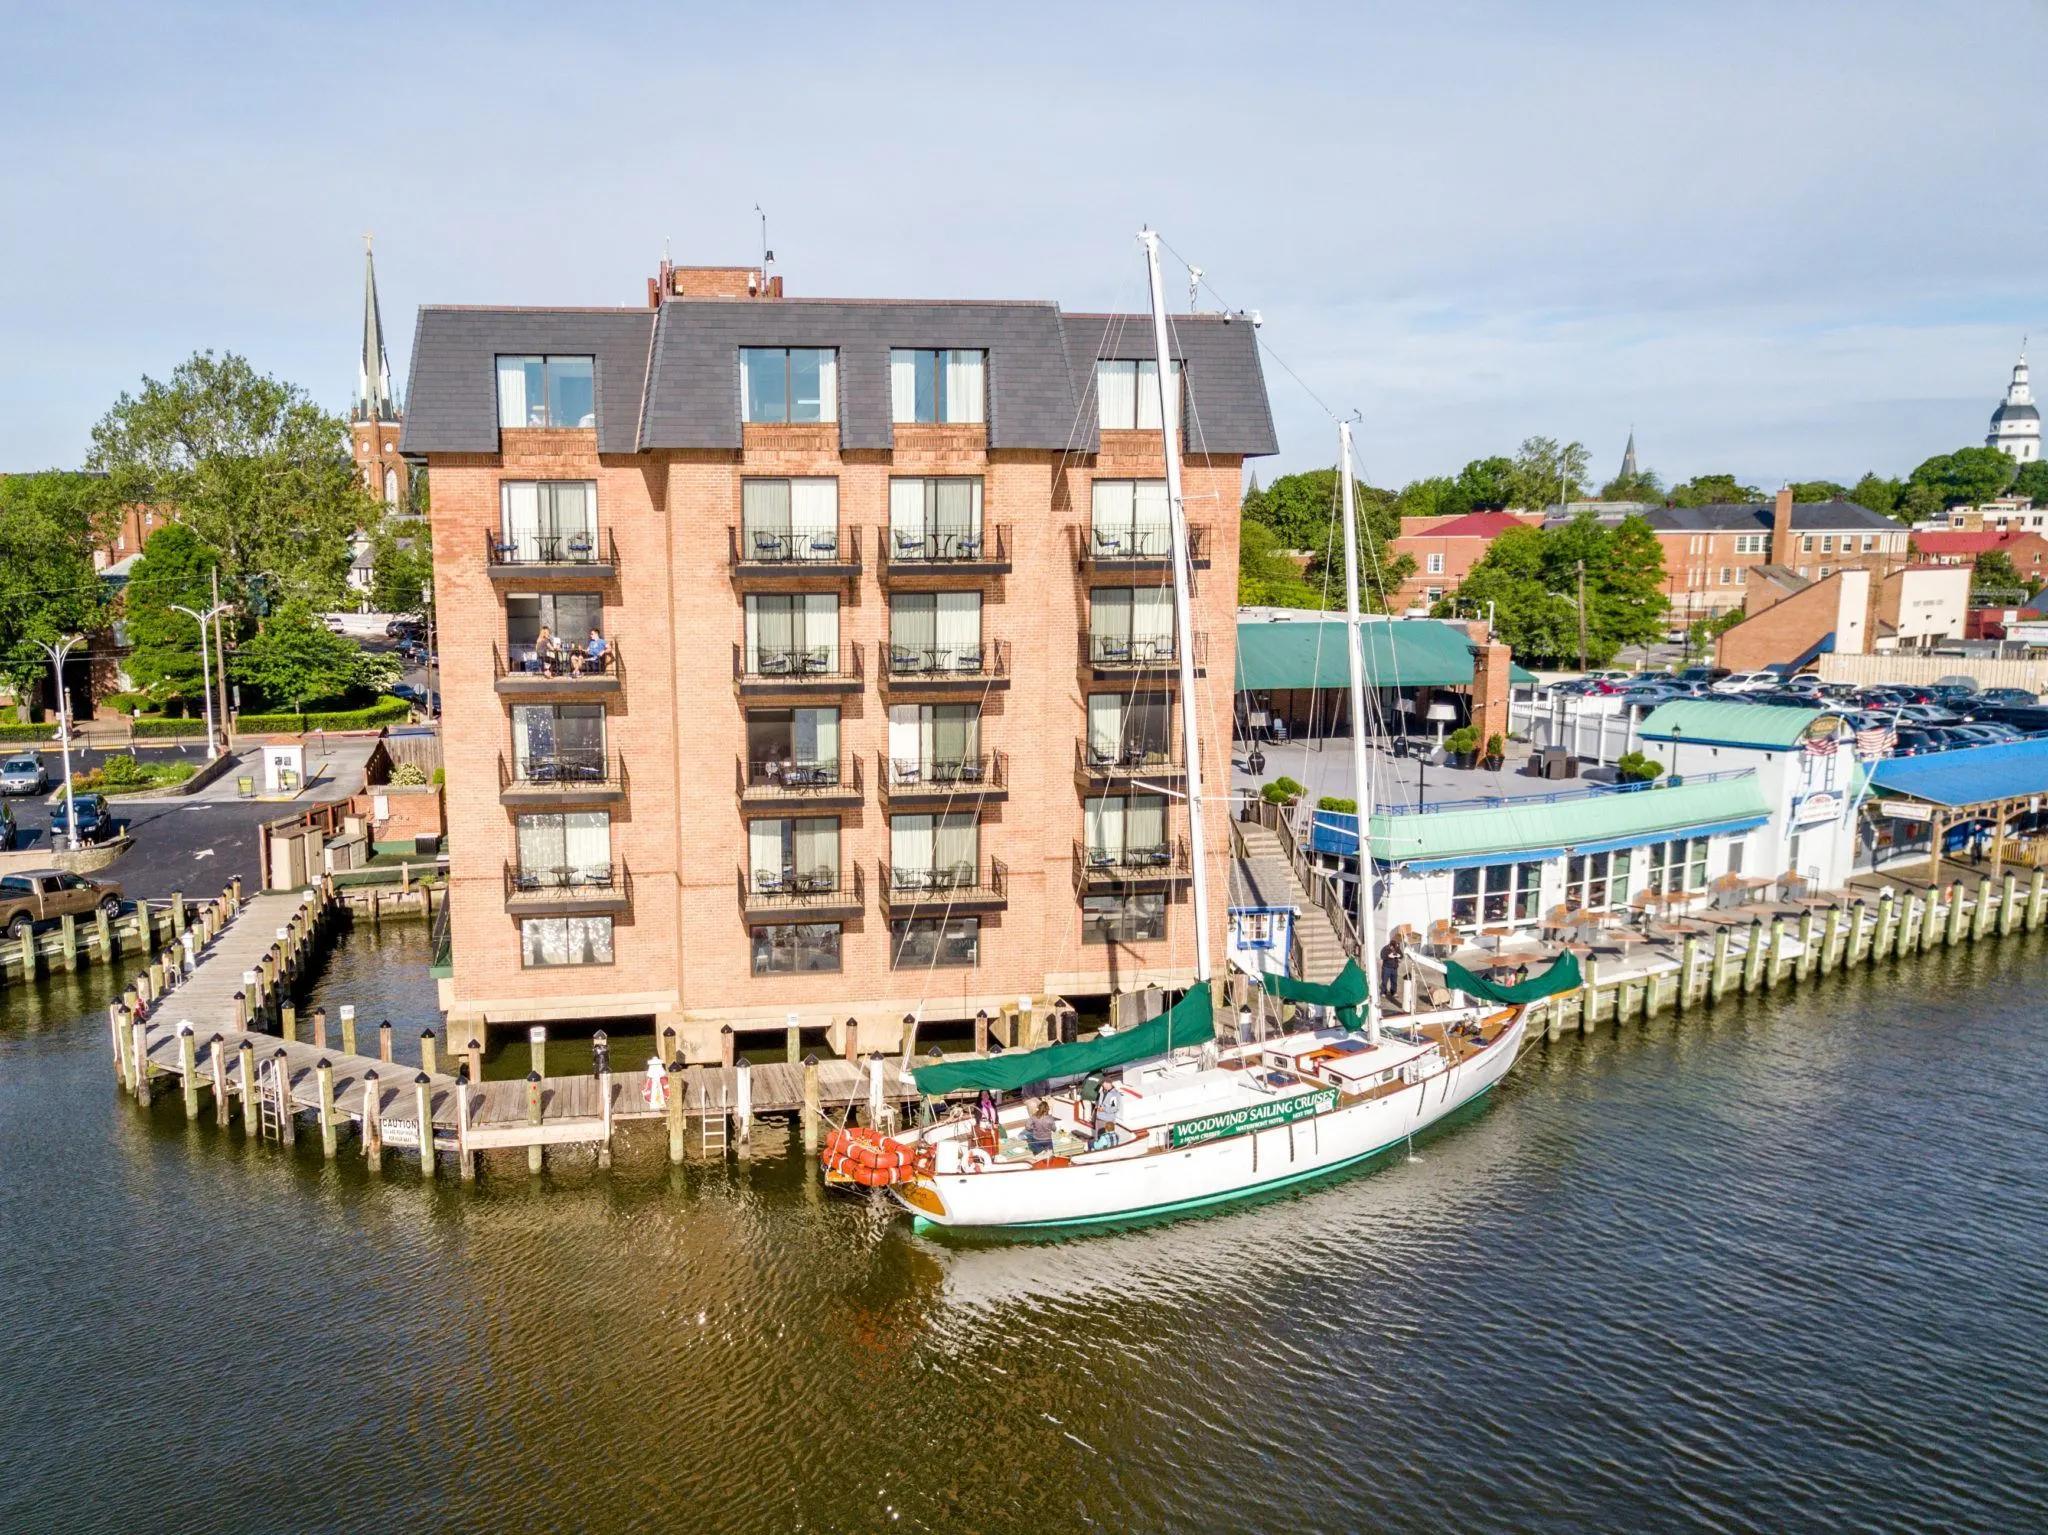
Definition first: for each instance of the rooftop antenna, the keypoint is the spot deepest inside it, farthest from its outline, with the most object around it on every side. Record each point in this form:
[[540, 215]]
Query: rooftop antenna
[[1194, 289], [767, 255]]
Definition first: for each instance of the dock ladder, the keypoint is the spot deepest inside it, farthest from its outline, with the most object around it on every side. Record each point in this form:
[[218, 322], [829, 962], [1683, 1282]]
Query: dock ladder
[[714, 1125], [273, 1099]]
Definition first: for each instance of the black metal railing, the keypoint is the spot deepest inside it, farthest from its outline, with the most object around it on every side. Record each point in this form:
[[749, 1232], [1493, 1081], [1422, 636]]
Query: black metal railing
[[569, 882], [784, 778], [771, 890], [565, 768], [1144, 543], [959, 884], [1109, 866], [591, 546], [1091, 761], [1138, 653], [798, 666], [787, 549], [945, 775], [923, 548], [988, 659], [568, 661]]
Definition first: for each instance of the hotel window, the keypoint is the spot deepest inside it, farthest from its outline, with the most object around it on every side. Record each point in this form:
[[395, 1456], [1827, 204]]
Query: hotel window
[[559, 849], [789, 520], [792, 632], [1130, 729], [1137, 918], [1869, 542], [935, 519], [789, 383], [558, 743], [548, 522], [791, 948], [794, 747], [934, 852], [1806, 544], [1131, 519], [945, 943], [935, 632], [1827, 543], [1130, 623], [1436, 565], [1501, 892], [938, 386], [1677, 866], [794, 855], [1727, 575], [1749, 543], [548, 943], [934, 743], [569, 619], [1127, 395], [546, 391], [1126, 829], [1596, 881]]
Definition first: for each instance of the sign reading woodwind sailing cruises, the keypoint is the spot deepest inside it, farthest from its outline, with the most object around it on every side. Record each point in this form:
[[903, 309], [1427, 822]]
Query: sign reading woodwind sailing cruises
[[1253, 1116]]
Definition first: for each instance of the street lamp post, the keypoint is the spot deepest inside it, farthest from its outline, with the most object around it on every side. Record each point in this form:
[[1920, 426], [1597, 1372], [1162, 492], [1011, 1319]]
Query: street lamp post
[[57, 653], [205, 673]]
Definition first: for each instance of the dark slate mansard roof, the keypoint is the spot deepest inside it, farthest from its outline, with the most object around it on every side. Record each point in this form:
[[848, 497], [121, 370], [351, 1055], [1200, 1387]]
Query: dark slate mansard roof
[[1807, 517], [670, 378]]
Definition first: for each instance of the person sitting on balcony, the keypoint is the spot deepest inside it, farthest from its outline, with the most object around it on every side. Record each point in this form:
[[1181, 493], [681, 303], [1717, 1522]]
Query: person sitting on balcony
[[596, 654], [545, 652], [772, 770]]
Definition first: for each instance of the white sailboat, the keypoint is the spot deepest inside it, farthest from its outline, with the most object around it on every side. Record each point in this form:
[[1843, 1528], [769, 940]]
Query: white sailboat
[[1183, 1120]]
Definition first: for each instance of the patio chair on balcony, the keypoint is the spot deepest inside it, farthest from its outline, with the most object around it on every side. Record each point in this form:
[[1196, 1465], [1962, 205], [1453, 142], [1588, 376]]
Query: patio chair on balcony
[[820, 881], [817, 661], [966, 660], [1114, 652], [967, 770], [967, 546], [1108, 545], [767, 882], [774, 663], [580, 545], [907, 658], [909, 546], [1100, 861], [767, 547]]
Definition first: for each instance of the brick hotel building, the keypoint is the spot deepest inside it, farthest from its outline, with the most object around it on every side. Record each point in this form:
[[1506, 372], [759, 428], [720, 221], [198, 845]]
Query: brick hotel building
[[817, 656]]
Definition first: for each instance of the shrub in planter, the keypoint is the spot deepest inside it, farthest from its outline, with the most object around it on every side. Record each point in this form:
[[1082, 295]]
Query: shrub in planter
[[1496, 753], [1636, 768], [409, 775], [1281, 791], [1340, 805]]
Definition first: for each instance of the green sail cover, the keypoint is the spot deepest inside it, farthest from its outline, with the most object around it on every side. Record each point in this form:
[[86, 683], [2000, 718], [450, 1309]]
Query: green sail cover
[[1561, 976], [1188, 1022], [1347, 993]]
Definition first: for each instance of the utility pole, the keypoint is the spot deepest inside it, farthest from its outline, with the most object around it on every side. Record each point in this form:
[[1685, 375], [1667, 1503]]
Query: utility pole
[[221, 650], [205, 674], [1582, 614], [57, 653]]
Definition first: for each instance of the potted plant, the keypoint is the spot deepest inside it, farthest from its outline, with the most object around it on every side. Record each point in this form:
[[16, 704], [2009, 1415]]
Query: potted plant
[[1496, 753], [1634, 767], [1463, 745], [1281, 791]]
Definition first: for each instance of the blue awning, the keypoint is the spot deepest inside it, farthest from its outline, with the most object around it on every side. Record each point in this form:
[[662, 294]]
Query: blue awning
[[1974, 775]]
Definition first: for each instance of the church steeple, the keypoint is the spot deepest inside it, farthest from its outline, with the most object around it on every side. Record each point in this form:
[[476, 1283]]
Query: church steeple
[[373, 370], [2016, 424], [1628, 458]]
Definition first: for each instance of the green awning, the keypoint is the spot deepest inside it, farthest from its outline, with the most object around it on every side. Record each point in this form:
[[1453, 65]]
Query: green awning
[[1347, 993], [1563, 975], [1188, 1022], [1710, 722], [1399, 653]]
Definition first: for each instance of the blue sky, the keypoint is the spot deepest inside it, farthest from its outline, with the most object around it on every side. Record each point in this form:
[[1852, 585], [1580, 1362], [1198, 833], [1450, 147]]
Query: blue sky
[[1789, 241]]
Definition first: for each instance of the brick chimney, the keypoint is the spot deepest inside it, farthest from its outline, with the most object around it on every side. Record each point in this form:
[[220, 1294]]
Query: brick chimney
[[1490, 663], [713, 282], [1781, 528]]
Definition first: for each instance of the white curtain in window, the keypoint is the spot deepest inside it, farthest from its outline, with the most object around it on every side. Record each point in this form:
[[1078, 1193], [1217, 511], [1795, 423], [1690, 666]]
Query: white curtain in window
[[511, 391], [815, 735], [747, 384], [587, 840], [959, 627], [1109, 613], [540, 842], [965, 386], [910, 842], [1150, 518], [764, 847], [1144, 821], [1116, 390], [817, 846], [1152, 617], [522, 519], [951, 732], [1113, 507], [821, 622], [906, 741], [764, 512], [902, 385], [828, 386], [1104, 821], [813, 510], [1106, 723], [956, 512], [1146, 381], [956, 841]]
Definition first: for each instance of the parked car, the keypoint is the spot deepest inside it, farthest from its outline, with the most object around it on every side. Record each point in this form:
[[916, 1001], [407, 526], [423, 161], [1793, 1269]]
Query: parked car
[[1747, 682], [1914, 742], [43, 895], [24, 775], [2017, 698], [95, 819], [1928, 714], [10, 839], [404, 629], [1707, 674]]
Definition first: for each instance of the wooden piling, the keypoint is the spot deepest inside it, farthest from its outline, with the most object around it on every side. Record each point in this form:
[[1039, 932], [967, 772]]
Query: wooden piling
[[109, 933], [1753, 957], [813, 1110], [537, 1050], [534, 1157], [427, 1056], [384, 1041], [743, 1106], [373, 1122], [1688, 971], [287, 1116], [850, 1046], [675, 1111], [67, 940], [1980, 920], [2008, 904], [328, 1127], [423, 1111], [177, 914], [252, 1108], [140, 1075], [117, 1020], [348, 1028], [475, 1058], [725, 1045], [668, 1047], [1717, 983], [2037, 893], [465, 1159], [981, 1032], [288, 1025], [319, 1022], [241, 1010], [217, 1058], [188, 1069], [793, 1040]]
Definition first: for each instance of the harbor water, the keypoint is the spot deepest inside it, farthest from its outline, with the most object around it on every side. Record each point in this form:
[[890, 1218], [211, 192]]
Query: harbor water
[[1773, 1266]]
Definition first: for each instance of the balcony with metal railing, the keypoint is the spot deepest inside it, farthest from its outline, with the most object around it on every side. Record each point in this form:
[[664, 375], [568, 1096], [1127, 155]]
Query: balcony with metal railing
[[1104, 868], [1139, 655], [779, 782], [1138, 548], [1128, 766], [913, 552], [578, 555], [799, 669], [760, 552], [792, 895], [575, 890], [564, 776], [944, 668], [947, 781], [955, 889], [567, 670]]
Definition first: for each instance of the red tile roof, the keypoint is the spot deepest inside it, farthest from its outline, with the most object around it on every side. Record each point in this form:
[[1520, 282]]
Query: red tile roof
[[1961, 541], [1475, 525]]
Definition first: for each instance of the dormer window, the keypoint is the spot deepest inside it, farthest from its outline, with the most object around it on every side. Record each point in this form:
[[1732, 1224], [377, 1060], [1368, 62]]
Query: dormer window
[[1128, 396], [938, 386], [789, 383], [546, 391]]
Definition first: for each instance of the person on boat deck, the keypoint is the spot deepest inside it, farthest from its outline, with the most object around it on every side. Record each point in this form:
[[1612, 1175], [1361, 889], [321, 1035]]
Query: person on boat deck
[[1390, 967], [1091, 1091], [1038, 1131], [1106, 1112], [985, 1111]]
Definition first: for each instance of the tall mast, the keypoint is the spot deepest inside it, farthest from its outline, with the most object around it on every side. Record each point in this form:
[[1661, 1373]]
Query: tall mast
[[1183, 618], [1354, 642]]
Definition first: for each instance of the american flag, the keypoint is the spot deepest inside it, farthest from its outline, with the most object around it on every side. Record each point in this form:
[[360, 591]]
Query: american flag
[[1820, 746], [1877, 741]]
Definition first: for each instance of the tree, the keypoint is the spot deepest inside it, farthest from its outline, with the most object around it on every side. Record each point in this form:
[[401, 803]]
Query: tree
[[50, 524], [176, 568], [2032, 481], [1819, 490], [1644, 485], [1542, 470], [1540, 624], [1965, 477], [1995, 572], [402, 555], [1488, 484], [250, 463], [1267, 576], [1531, 575], [296, 660], [1301, 510], [1877, 494], [1714, 490], [1439, 496]]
